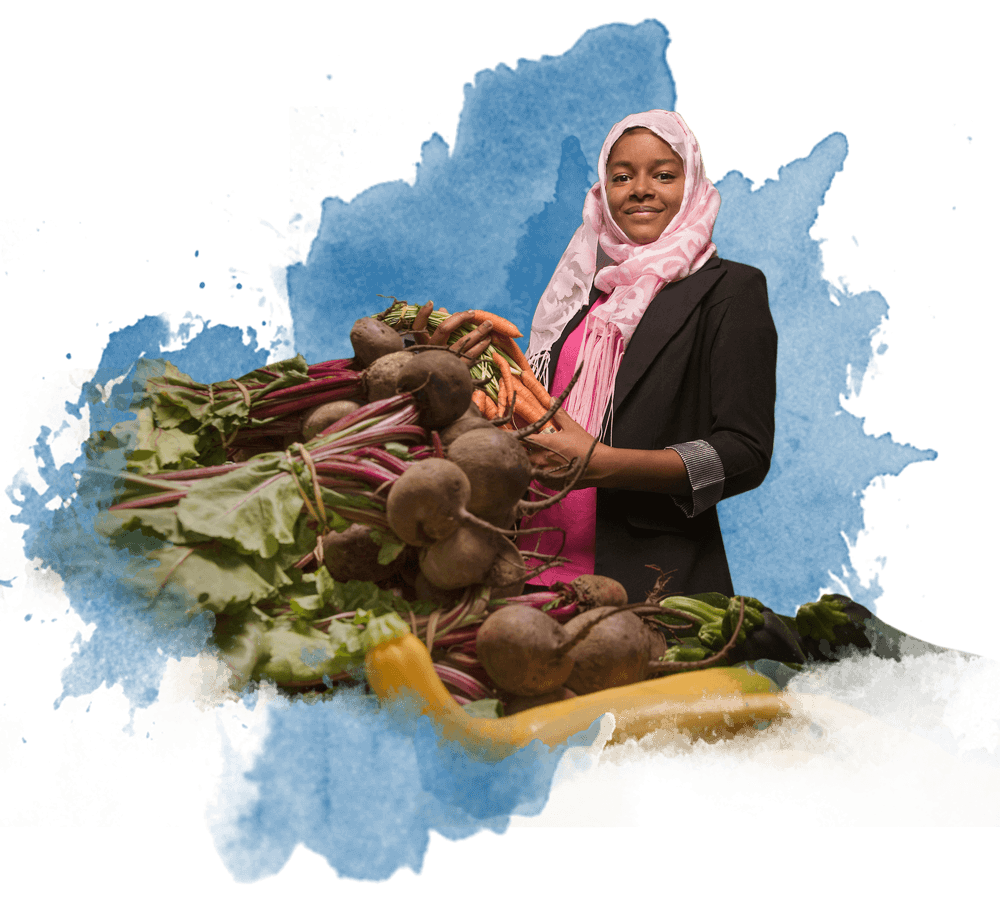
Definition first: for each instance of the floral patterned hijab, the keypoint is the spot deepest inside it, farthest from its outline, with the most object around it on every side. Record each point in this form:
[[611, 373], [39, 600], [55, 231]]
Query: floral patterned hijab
[[638, 273]]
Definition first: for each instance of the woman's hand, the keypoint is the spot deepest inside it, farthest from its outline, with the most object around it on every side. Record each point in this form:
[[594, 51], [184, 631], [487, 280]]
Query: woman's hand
[[470, 346], [654, 470], [550, 451]]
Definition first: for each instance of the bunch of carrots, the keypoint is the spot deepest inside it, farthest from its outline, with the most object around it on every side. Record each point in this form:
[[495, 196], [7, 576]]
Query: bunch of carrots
[[502, 369]]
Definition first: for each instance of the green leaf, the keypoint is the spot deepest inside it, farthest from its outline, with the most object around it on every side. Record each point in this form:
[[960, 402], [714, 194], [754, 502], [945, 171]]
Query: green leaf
[[159, 521], [390, 548], [487, 708], [361, 595], [297, 654], [383, 629], [176, 398], [209, 578], [255, 507], [241, 641]]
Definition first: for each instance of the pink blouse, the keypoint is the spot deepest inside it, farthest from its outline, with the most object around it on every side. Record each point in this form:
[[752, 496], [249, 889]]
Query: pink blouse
[[576, 513]]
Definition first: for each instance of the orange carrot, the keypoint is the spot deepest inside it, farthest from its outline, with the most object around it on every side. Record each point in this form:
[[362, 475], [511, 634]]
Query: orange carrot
[[505, 374], [491, 408], [485, 404], [501, 398], [536, 388], [500, 324], [504, 342], [527, 406]]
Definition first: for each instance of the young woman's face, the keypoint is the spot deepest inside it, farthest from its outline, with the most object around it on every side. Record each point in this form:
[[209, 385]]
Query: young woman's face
[[645, 185]]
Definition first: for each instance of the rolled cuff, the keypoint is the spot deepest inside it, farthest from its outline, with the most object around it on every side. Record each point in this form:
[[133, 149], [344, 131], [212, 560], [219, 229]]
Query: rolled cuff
[[705, 474]]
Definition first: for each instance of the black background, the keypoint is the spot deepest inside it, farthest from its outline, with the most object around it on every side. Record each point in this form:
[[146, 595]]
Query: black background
[[135, 142]]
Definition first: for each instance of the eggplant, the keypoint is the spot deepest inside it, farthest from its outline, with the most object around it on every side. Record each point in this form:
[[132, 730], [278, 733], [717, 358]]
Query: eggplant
[[774, 639], [852, 637]]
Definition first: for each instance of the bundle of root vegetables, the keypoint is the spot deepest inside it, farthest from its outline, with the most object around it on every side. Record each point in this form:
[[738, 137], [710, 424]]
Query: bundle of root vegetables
[[306, 507]]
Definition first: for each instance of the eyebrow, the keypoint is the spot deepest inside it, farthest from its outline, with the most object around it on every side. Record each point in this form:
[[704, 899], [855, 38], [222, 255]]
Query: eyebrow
[[627, 164]]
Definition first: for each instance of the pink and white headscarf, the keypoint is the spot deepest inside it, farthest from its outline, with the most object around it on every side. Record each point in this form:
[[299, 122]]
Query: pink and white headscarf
[[638, 274]]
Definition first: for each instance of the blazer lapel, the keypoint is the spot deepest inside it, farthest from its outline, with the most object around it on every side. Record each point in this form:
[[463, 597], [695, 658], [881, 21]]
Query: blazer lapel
[[662, 320]]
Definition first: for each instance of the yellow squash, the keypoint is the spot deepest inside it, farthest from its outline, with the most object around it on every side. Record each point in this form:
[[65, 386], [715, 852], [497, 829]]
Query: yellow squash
[[707, 703]]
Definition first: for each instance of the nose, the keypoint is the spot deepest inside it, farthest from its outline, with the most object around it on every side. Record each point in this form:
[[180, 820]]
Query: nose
[[640, 186]]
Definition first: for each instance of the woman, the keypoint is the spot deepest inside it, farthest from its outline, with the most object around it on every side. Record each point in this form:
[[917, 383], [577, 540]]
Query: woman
[[678, 353]]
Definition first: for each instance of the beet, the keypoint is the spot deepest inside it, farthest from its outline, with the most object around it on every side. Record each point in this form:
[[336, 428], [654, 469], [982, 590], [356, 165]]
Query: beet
[[441, 385], [426, 502], [525, 651], [379, 380], [318, 419], [426, 591], [372, 339], [498, 469], [353, 555], [615, 652], [594, 591], [470, 420], [266, 444], [508, 573], [460, 560], [657, 643]]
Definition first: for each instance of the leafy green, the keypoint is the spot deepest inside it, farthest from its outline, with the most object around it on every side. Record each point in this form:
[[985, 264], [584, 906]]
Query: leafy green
[[255, 507], [155, 448], [383, 629], [175, 397], [361, 595], [487, 708], [389, 547], [295, 653], [240, 640], [215, 579]]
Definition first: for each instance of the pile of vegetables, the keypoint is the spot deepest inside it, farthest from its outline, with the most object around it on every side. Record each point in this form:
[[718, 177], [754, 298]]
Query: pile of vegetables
[[318, 511]]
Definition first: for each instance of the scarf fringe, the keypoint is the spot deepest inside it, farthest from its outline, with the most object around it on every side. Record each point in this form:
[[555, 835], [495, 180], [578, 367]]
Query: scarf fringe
[[539, 363]]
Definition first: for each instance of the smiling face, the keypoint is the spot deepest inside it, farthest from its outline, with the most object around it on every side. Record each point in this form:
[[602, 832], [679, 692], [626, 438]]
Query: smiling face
[[645, 184]]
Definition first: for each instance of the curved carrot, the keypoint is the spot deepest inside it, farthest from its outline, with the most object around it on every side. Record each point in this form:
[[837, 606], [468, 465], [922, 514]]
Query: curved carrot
[[536, 388], [527, 406], [500, 324], [502, 395], [504, 343], [485, 404], [505, 374]]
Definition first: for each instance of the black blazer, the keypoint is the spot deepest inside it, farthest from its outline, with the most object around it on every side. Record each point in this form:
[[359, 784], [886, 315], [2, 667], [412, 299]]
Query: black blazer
[[701, 365]]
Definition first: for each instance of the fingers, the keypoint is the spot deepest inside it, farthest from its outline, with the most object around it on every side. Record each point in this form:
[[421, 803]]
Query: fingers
[[450, 324], [472, 345], [419, 326], [546, 451]]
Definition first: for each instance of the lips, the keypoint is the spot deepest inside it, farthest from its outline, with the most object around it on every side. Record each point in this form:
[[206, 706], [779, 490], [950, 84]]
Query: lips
[[641, 210]]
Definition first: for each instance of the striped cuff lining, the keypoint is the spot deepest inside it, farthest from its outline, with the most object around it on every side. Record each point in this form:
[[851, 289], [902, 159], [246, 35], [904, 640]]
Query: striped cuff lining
[[705, 474]]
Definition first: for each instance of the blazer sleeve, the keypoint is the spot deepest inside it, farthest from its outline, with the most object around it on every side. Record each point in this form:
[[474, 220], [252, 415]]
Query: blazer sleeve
[[736, 454]]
